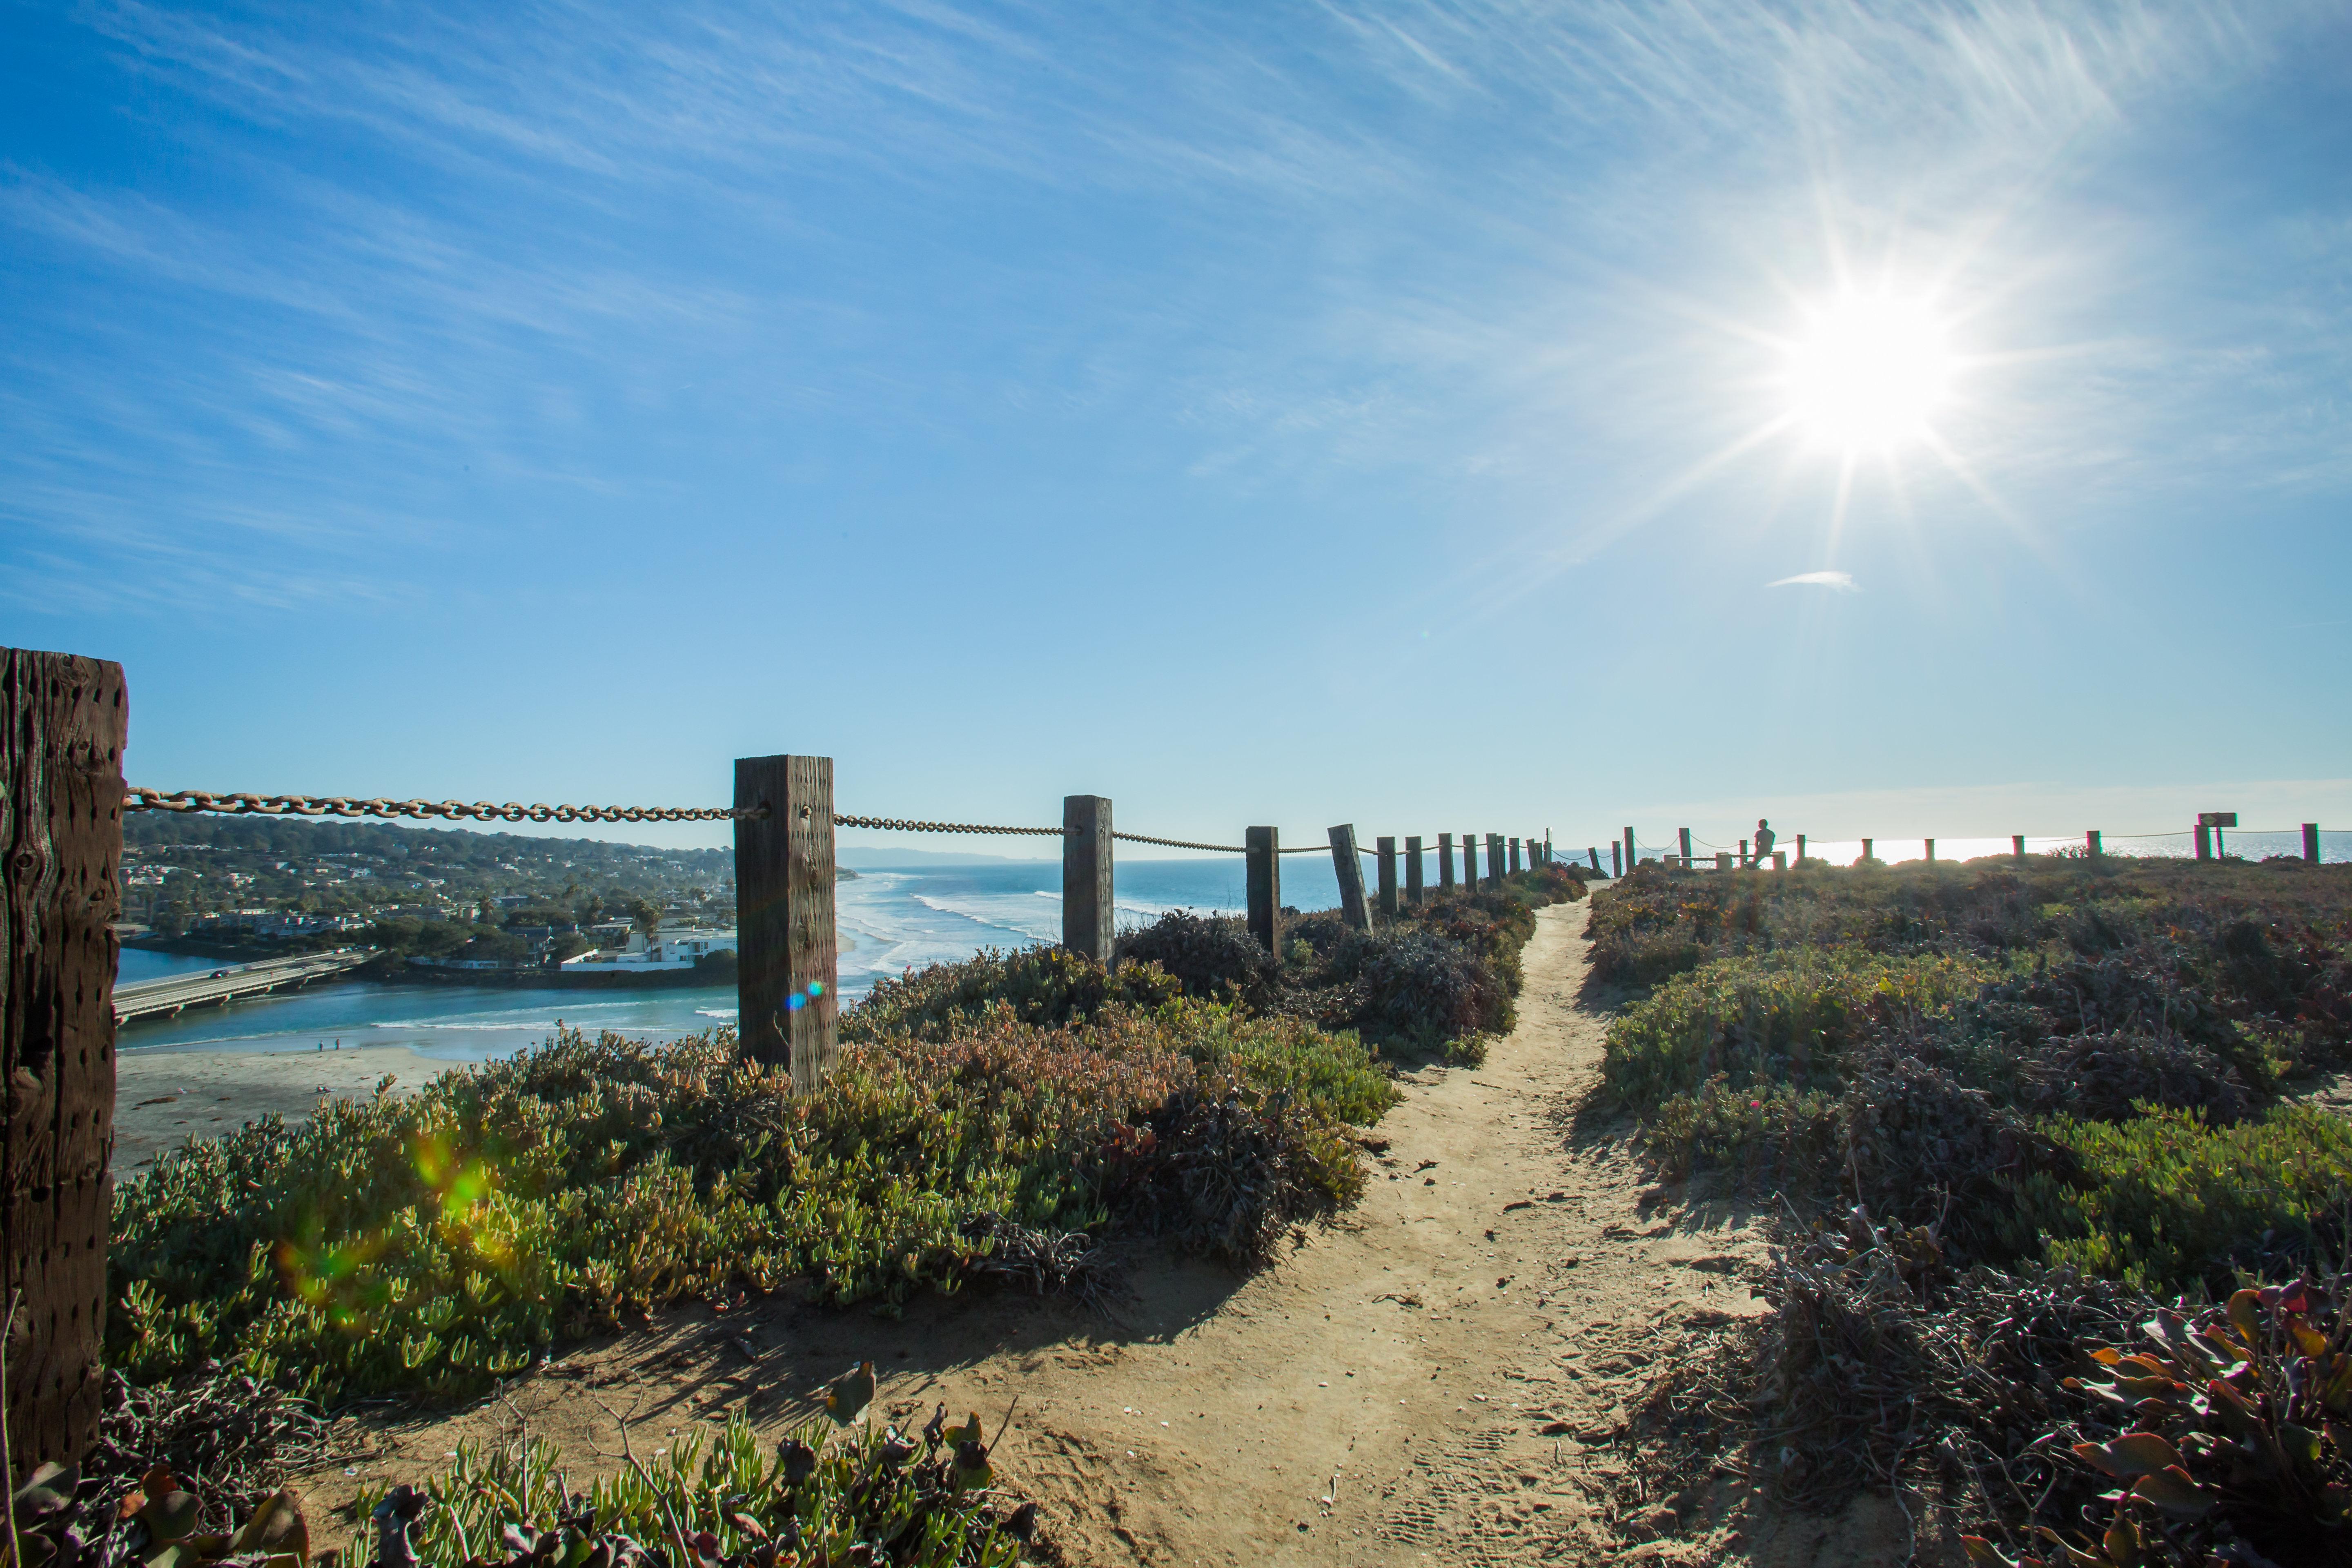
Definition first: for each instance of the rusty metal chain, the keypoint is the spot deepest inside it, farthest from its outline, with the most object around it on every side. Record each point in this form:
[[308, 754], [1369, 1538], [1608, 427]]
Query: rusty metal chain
[[243, 805], [1180, 843], [895, 824], [239, 805]]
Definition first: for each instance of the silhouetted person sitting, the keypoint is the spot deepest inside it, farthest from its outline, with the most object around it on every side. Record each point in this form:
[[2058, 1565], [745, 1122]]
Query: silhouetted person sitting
[[1764, 836]]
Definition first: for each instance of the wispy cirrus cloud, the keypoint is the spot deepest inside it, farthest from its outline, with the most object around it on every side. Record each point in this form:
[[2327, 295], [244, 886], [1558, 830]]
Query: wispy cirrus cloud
[[1842, 582]]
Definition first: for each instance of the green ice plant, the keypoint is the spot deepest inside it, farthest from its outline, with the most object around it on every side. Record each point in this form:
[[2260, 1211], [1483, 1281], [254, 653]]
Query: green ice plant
[[433, 1244]]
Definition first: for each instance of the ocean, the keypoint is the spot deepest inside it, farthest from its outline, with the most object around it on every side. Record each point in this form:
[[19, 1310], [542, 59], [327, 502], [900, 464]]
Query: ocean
[[890, 919]]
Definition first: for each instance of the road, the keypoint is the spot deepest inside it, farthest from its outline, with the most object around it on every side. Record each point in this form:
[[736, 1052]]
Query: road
[[154, 998]]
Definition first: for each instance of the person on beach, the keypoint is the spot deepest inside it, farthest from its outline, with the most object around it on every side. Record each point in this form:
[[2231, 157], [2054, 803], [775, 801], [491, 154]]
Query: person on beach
[[1764, 836]]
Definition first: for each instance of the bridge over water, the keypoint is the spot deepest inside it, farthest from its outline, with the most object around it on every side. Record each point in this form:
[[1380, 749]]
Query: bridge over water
[[168, 995]]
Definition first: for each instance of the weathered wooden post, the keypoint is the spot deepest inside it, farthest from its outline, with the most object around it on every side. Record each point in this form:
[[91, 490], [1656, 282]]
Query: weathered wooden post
[[2204, 842], [1617, 858], [1350, 872], [1444, 864], [1262, 848], [1594, 851], [1630, 851], [1682, 837], [1494, 860], [1087, 901], [2091, 843], [1779, 859], [1743, 852], [63, 722], [1469, 863], [1931, 850], [1384, 850], [1412, 870], [1801, 849], [2017, 845], [786, 1007], [2311, 843], [1866, 854], [1723, 859], [1515, 857]]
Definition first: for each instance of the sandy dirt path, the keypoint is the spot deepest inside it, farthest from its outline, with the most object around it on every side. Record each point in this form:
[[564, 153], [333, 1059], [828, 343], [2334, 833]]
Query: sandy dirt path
[[1443, 1377]]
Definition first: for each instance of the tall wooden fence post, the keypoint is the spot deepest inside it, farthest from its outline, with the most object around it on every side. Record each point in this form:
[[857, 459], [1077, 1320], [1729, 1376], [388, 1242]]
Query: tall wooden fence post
[[1931, 849], [2017, 845], [787, 1005], [1681, 840], [2311, 843], [1349, 868], [1412, 853], [2204, 842], [1631, 848], [1515, 857], [63, 721], [1865, 850], [1086, 898], [1593, 850], [1801, 849], [1469, 863], [1616, 857], [1494, 860], [1444, 864], [1263, 851], [2091, 843], [1384, 848]]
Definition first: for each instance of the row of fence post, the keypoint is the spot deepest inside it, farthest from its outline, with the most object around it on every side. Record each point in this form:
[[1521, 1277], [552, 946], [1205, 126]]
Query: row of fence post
[[2207, 839]]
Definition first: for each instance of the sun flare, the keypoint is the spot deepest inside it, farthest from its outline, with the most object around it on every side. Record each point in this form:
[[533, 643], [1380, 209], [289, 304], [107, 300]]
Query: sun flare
[[1869, 372]]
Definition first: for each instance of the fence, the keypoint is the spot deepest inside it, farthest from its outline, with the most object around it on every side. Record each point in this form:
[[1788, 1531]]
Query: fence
[[62, 801], [2207, 841]]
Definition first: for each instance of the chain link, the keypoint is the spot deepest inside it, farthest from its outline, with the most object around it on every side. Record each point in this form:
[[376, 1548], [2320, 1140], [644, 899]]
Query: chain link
[[895, 825], [239, 805], [1181, 844], [187, 800]]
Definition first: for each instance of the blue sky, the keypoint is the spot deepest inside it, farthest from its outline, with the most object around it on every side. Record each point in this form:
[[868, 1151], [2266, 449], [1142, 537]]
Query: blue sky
[[1265, 413]]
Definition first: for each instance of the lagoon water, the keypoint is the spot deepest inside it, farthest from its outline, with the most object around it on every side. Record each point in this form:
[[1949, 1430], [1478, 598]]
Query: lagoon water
[[889, 921]]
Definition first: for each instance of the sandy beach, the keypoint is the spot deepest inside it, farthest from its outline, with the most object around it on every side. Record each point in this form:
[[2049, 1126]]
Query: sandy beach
[[163, 1097]]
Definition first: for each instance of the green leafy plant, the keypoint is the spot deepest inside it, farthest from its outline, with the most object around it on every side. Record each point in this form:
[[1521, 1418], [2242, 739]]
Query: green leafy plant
[[925, 1498], [2238, 1418], [2169, 1202], [432, 1244]]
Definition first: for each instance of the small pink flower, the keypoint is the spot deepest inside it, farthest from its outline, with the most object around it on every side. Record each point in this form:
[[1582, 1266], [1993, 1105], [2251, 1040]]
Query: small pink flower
[[1753, 1104]]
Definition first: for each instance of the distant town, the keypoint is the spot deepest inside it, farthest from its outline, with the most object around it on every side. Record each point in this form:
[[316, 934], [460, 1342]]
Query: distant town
[[432, 899]]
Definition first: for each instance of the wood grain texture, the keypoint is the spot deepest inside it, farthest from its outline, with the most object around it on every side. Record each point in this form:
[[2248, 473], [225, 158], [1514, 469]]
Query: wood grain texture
[[1262, 847], [1494, 860], [1469, 862], [1384, 851], [1349, 867], [1445, 862], [1515, 857], [1412, 853], [1086, 907], [787, 947], [60, 857]]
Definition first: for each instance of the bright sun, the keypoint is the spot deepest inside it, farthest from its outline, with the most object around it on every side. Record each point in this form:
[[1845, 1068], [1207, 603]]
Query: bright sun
[[1868, 372]]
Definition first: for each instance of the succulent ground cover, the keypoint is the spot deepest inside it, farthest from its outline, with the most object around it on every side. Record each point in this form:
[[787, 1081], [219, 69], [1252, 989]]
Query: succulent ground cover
[[989, 1120], [845, 1491], [1437, 979], [2065, 1232]]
